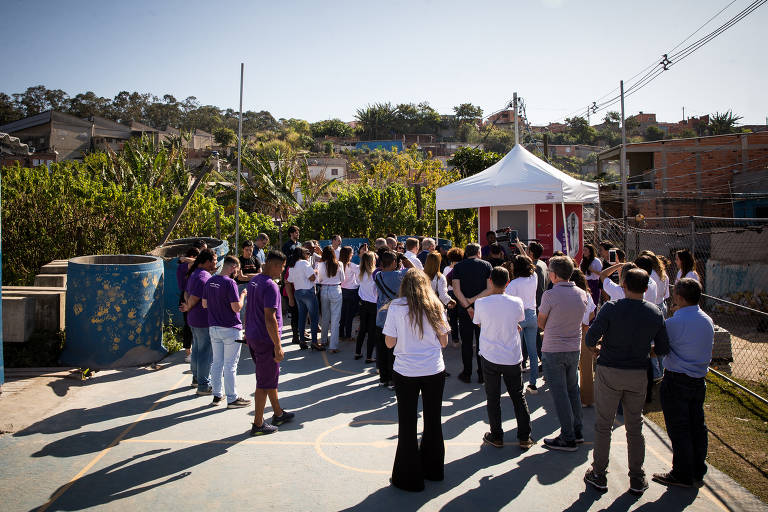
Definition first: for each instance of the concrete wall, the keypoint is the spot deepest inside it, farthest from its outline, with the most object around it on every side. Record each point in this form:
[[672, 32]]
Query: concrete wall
[[741, 246], [724, 279]]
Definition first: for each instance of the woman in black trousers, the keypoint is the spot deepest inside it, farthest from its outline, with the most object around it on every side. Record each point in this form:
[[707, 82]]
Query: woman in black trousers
[[417, 329], [368, 295]]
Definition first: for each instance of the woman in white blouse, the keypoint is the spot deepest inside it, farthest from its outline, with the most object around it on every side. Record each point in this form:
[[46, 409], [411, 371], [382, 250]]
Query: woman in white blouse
[[523, 285], [368, 297], [686, 264], [302, 277], [330, 275], [417, 329], [349, 297], [437, 279]]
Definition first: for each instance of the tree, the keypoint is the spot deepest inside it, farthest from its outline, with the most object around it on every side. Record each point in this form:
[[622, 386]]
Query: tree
[[331, 128], [612, 117], [89, 104], [8, 111], [224, 136], [723, 123], [467, 113], [377, 120], [654, 133], [130, 106], [471, 161], [580, 130]]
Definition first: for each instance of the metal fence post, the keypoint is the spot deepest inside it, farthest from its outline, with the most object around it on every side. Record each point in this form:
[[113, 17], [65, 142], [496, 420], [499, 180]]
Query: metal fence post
[[693, 236]]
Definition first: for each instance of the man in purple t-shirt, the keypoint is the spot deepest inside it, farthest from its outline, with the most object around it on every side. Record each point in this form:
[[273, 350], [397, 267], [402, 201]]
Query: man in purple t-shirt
[[224, 303], [265, 322], [197, 318]]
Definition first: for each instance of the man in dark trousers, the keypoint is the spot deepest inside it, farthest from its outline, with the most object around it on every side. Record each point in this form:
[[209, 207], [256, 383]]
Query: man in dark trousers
[[691, 336], [628, 327], [470, 281]]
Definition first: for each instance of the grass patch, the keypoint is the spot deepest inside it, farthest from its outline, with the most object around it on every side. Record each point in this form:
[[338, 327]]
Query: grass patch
[[738, 432]]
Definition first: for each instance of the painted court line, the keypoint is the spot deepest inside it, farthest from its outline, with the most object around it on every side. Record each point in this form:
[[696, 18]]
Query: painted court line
[[106, 450]]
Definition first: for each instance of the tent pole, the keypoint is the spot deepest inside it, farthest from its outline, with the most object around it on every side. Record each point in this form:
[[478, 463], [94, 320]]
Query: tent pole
[[437, 231], [565, 226]]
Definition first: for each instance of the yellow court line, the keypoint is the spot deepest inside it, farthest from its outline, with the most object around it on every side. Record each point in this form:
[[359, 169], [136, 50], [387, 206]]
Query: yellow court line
[[106, 450]]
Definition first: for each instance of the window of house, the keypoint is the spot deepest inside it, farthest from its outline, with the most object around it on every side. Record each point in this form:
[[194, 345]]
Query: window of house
[[334, 172]]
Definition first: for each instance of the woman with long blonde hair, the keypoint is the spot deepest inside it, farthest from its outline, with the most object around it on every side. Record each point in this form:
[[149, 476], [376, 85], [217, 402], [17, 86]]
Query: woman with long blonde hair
[[417, 329]]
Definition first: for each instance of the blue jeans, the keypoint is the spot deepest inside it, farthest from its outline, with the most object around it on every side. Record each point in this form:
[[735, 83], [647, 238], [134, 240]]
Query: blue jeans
[[528, 336], [226, 354], [330, 300], [562, 372], [200, 359], [306, 300]]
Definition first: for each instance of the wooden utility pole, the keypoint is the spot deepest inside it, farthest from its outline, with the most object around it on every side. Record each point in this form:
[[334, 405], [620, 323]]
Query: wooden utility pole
[[239, 151]]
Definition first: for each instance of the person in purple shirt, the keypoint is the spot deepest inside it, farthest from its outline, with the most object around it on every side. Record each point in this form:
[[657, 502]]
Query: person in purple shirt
[[197, 318], [262, 332], [181, 281], [223, 302]]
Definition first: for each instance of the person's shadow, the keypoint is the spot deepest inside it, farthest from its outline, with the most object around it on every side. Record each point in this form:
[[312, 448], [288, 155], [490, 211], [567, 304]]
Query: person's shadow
[[131, 476]]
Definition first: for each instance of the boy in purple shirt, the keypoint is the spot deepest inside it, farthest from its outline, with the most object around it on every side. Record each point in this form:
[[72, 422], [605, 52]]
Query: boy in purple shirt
[[224, 303], [265, 322], [181, 282], [197, 318]]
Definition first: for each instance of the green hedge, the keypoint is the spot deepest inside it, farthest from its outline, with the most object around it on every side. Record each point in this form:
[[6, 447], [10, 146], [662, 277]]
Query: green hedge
[[67, 211]]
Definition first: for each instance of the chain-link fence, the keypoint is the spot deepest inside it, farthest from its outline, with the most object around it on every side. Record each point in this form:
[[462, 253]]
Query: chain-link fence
[[732, 262]]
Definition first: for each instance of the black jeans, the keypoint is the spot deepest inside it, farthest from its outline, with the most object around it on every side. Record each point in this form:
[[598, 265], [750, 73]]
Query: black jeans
[[453, 318], [470, 332], [367, 328], [682, 400], [294, 312], [385, 357], [414, 463], [513, 380], [349, 305], [186, 332]]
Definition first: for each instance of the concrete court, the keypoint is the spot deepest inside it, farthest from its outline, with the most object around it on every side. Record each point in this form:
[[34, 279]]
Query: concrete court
[[139, 439]]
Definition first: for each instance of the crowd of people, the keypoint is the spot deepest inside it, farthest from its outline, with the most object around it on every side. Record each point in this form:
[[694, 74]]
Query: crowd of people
[[599, 333]]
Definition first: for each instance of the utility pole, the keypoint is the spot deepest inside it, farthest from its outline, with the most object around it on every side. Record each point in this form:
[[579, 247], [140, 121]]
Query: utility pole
[[239, 151], [683, 113], [514, 106], [624, 170]]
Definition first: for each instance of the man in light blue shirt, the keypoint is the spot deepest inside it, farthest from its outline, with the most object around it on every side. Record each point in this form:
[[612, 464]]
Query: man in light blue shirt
[[691, 336]]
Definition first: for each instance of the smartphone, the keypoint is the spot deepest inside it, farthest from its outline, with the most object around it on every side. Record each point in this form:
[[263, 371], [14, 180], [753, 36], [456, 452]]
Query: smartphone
[[612, 256]]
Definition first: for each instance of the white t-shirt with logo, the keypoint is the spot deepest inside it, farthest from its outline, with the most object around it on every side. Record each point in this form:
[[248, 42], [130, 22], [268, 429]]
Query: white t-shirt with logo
[[525, 289], [616, 292], [299, 275], [498, 316], [415, 356]]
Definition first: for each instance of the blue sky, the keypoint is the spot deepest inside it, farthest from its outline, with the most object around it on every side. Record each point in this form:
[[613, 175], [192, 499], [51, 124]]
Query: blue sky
[[317, 60]]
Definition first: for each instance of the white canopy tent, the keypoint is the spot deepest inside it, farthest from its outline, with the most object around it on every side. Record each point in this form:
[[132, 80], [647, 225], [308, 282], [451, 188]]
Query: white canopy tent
[[518, 178]]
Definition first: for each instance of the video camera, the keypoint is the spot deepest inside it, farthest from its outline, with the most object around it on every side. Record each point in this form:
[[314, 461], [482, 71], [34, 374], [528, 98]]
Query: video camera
[[506, 234]]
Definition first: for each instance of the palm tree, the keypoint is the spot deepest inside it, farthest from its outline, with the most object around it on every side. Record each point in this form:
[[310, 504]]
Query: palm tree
[[722, 123], [377, 120]]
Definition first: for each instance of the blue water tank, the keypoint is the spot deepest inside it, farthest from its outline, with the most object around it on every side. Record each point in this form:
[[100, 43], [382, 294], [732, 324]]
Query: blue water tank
[[114, 311], [170, 253]]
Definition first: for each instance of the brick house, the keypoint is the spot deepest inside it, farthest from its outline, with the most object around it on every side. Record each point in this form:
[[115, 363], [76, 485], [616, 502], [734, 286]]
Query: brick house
[[714, 176]]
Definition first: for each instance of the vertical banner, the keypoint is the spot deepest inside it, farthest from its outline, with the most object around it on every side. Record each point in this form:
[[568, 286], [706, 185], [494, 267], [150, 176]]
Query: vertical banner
[[574, 222], [483, 224], [545, 228]]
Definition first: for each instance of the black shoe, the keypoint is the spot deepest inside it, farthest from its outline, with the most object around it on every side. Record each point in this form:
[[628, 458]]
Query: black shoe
[[493, 441], [216, 400], [295, 342], [318, 347], [463, 377], [558, 443], [579, 437], [369, 360], [263, 430], [669, 479], [480, 378], [637, 485], [599, 482], [284, 418], [358, 356], [303, 345]]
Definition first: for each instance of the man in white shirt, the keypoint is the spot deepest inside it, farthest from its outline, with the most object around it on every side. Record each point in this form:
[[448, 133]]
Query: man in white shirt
[[336, 244], [615, 291], [498, 315], [411, 248]]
